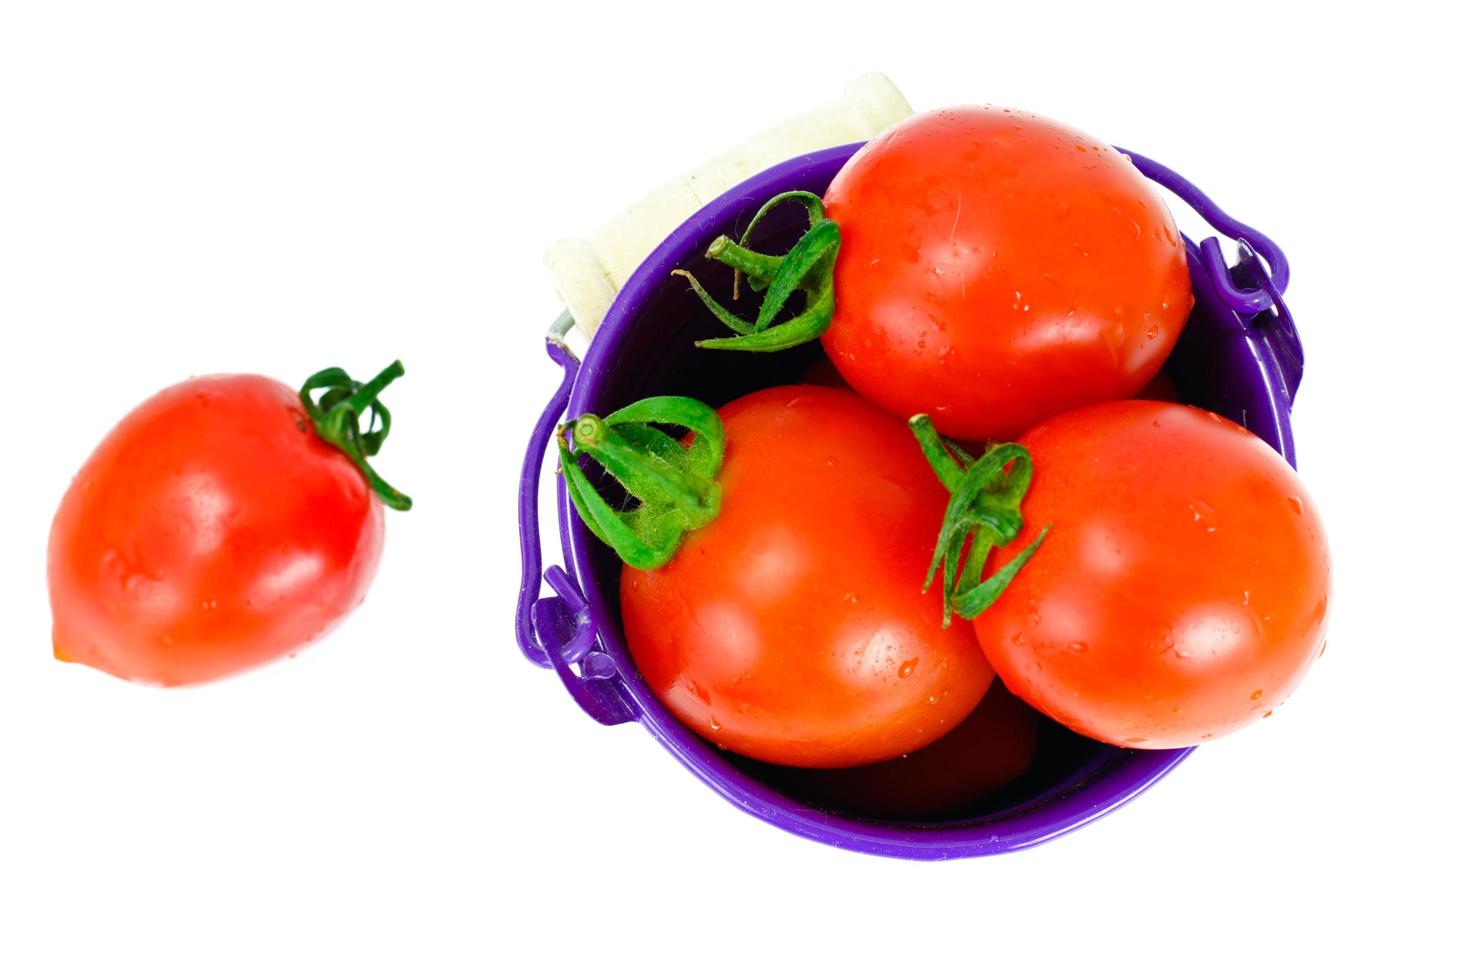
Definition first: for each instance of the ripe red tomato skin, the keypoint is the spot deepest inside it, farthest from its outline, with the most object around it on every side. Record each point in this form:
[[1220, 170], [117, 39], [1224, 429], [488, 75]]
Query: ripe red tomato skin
[[996, 269], [211, 531], [1183, 590], [793, 628]]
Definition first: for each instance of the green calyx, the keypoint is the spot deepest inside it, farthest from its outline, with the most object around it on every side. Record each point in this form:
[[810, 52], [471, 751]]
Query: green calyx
[[336, 415], [807, 269], [674, 483], [984, 512]]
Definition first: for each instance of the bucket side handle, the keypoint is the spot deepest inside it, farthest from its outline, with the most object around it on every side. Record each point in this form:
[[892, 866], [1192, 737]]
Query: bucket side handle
[[1246, 301], [557, 630], [1252, 289]]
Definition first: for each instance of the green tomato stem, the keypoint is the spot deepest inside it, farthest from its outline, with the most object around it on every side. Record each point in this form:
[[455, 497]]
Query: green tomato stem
[[675, 484], [984, 513], [807, 269], [336, 416]]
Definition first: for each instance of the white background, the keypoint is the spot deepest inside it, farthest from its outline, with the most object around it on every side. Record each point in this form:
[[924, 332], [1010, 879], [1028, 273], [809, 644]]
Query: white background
[[268, 187]]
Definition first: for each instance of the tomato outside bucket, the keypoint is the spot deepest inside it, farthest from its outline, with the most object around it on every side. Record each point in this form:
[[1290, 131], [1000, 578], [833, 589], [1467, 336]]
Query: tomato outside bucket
[[1239, 356]]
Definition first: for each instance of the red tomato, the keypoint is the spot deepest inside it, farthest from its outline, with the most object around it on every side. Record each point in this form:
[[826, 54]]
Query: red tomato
[[986, 752], [997, 268], [1182, 592], [792, 628], [211, 531]]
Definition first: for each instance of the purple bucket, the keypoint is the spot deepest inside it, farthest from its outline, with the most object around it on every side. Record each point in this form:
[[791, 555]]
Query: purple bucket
[[1239, 356]]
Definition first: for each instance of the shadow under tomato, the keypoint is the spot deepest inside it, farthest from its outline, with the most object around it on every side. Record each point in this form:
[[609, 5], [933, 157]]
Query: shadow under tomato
[[998, 757]]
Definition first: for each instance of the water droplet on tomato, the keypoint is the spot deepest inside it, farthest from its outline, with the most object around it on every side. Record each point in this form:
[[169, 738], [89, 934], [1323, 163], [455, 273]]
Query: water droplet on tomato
[[1256, 694], [907, 667], [1079, 647], [831, 460], [1295, 503], [714, 725], [1267, 714], [933, 699], [1018, 640], [1204, 515]]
